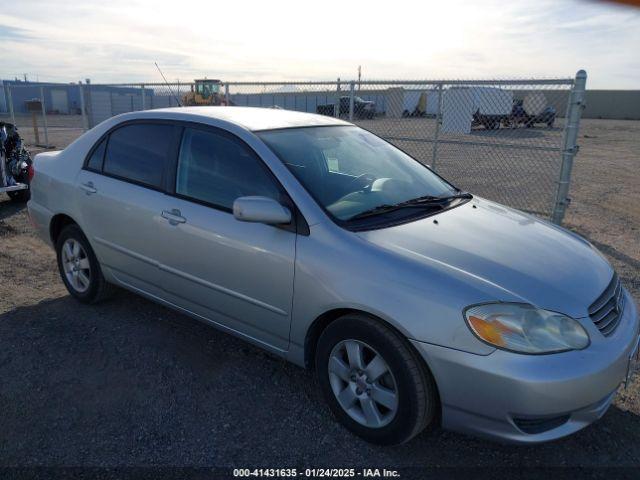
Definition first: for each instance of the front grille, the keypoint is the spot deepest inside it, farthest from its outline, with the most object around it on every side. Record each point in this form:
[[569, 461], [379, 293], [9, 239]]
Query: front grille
[[540, 425], [606, 311]]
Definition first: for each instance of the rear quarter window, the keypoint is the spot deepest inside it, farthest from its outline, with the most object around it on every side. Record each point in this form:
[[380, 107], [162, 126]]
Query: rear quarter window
[[138, 152], [95, 160]]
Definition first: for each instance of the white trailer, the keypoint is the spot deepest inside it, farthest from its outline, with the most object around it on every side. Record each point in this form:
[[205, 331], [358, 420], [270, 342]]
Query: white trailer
[[492, 101], [433, 97], [463, 107], [457, 110], [412, 100]]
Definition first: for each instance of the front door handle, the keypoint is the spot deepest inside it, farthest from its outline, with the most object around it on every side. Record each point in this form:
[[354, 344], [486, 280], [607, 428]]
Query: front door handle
[[174, 216], [88, 188]]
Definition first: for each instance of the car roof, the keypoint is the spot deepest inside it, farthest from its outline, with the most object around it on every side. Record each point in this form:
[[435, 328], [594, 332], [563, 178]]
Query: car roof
[[251, 118]]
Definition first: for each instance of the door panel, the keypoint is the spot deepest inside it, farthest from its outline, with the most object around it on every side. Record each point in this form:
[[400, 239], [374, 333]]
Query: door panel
[[119, 198], [235, 273], [121, 220]]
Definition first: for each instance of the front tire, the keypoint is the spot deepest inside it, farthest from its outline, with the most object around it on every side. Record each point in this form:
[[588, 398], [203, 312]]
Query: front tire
[[374, 383], [79, 267]]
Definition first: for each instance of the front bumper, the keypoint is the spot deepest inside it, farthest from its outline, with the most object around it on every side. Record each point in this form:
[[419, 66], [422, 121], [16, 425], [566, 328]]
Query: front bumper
[[489, 395]]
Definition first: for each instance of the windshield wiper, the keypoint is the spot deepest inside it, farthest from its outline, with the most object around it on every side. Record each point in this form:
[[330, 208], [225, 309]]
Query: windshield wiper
[[380, 209], [429, 201]]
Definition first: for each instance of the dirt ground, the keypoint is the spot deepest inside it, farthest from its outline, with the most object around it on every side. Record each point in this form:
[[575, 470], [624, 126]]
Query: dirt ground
[[129, 382]]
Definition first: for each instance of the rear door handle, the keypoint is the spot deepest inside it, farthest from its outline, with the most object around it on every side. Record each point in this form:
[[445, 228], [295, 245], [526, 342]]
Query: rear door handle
[[88, 188], [174, 216]]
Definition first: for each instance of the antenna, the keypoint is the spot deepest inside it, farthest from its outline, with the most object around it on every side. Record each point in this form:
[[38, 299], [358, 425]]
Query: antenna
[[168, 86]]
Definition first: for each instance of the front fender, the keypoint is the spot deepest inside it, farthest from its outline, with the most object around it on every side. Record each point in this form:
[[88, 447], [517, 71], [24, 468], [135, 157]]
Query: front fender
[[338, 270]]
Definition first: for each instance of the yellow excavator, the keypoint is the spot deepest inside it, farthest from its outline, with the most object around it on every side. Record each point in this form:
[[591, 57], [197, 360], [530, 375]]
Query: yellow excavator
[[204, 92]]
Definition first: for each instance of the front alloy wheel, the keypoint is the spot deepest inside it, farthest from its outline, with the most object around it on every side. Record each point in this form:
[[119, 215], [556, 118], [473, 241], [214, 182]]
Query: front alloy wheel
[[362, 383], [375, 383]]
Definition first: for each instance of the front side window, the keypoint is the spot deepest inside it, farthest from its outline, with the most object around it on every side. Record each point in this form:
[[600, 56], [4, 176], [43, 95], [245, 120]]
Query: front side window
[[137, 152], [350, 171], [216, 169]]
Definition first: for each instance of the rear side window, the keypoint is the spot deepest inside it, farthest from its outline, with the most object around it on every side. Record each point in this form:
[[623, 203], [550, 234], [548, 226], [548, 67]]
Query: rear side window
[[216, 169], [137, 152], [95, 160]]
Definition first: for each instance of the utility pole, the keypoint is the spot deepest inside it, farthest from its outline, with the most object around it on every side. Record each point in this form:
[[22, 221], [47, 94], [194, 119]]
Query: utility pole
[[359, 75]]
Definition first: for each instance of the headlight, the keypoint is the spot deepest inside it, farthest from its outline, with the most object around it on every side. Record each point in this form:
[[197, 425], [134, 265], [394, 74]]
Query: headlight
[[523, 328]]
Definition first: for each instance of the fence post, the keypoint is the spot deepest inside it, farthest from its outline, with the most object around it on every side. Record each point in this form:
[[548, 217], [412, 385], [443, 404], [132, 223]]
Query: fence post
[[44, 118], [436, 135], [83, 110], [144, 103], [226, 94], [13, 116], [569, 145], [352, 91], [336, 107]]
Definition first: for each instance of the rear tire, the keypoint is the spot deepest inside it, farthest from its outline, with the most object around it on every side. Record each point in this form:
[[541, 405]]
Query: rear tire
[[383, 408], [79, 267]]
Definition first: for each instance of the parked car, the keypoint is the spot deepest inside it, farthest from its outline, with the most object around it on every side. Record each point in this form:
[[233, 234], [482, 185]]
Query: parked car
[[361, 108], [547, 116], [520, 117], [414, 302]]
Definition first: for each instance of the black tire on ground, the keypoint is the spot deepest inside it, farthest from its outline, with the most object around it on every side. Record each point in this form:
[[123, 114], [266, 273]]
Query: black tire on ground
[[99, 289], [417, 392], [20, 196]]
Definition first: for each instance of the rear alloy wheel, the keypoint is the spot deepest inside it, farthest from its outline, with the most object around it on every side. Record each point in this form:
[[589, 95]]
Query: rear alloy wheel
[[75, 263], [374, 382], [79, 267]]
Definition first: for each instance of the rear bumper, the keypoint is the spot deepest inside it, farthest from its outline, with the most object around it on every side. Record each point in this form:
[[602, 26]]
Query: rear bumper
[[489, 395]]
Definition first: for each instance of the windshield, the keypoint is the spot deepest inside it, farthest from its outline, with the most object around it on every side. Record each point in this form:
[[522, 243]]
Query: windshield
[[350, 171]]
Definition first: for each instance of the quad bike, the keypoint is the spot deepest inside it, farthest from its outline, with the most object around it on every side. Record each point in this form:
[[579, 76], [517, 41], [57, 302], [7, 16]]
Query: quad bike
[[16, 166]]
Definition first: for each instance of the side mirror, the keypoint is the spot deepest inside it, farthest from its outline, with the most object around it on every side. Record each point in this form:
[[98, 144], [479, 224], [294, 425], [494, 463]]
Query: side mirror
[[261, 210]]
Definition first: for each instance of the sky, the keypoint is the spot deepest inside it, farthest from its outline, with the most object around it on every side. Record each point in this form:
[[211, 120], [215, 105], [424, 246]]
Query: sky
[[240, 40]]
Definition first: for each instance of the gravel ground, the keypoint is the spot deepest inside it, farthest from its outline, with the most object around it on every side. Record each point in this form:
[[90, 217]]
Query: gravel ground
[[129, 382]]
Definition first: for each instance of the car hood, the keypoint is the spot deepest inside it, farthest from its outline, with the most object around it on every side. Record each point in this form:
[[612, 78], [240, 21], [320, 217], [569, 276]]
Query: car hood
[[521, 257]]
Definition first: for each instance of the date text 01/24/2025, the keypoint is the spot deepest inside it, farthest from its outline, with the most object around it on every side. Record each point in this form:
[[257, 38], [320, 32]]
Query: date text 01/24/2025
[[316, 472]]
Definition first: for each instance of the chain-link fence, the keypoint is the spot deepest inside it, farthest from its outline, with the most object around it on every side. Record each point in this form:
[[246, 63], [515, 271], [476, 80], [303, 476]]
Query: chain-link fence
[[47, 115], [512, 141]]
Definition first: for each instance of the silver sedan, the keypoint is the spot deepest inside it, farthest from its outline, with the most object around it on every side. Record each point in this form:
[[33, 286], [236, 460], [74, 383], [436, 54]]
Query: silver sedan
[[416, 303]]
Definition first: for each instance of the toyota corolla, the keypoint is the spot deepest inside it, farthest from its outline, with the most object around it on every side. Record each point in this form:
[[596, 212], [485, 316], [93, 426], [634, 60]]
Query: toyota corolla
[[415, 303]]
